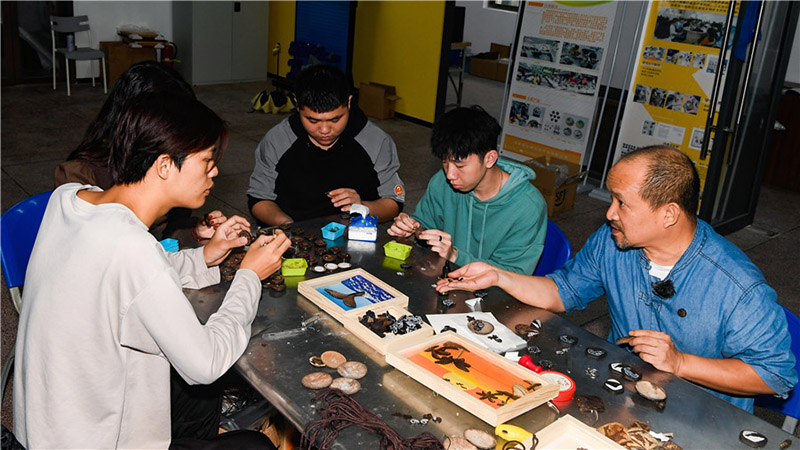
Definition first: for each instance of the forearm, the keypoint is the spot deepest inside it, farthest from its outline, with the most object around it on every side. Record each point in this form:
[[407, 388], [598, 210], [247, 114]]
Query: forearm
[[541, 292], [384, 209], [730, 375], [270, 213]]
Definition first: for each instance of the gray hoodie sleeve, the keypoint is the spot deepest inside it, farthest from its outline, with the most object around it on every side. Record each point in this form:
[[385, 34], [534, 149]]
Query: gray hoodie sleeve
[[382, 151], [275, 143]]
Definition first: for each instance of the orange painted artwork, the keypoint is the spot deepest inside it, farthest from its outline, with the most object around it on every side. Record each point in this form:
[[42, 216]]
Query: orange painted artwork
[[472, 374]]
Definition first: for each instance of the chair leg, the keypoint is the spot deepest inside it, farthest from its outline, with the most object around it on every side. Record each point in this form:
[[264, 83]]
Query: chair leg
[[54, 71], [67, 64], [105, 84], [16, 297], [7, 367], [789, 424]]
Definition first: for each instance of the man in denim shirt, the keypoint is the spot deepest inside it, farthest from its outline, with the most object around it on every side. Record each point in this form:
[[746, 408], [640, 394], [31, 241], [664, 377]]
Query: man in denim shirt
[[693, 303]]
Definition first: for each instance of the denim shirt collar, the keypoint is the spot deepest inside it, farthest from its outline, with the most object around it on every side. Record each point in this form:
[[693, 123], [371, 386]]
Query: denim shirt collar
[[688, 256]]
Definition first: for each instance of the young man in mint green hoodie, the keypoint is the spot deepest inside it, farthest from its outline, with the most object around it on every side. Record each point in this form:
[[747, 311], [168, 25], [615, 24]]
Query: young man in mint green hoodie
[[478, 208]]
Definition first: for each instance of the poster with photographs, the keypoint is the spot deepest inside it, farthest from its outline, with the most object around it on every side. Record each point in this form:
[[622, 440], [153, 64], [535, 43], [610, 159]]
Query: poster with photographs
[[559, 59], [679, 55]]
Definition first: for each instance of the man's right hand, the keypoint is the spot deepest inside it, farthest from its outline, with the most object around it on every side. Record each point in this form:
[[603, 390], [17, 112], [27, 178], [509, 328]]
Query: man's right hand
[[403, 226], [476, 275], [264, 255]]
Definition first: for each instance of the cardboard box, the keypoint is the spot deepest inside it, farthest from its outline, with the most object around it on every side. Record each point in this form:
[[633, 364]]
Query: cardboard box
[[377, 100], [493, 69], [503, 50], [559, 198]]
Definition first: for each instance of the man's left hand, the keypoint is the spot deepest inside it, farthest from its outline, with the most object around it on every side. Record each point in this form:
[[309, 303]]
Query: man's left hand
[[225, 238], [441, 243], [344, 197], [658, 349]]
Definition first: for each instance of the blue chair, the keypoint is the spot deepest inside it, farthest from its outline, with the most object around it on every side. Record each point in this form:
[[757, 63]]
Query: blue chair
[[791, 405], [18, 229], [557, 251]]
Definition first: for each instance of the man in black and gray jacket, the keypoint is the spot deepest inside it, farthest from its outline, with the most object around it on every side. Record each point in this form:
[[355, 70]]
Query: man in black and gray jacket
[[324, 158]]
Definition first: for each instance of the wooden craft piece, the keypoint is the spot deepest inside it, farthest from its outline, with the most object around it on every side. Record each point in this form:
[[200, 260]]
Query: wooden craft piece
[[471, 376], [337, 294], [569, 432]]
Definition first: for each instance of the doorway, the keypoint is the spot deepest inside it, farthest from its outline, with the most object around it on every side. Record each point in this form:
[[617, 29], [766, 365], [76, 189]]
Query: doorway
[[26, 49]]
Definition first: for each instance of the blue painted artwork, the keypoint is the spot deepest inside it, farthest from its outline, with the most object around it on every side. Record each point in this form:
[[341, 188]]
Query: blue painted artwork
[[342, 293]]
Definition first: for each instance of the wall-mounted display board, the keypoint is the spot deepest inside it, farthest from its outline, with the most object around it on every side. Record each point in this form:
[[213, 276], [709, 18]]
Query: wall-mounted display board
[[560, 51]]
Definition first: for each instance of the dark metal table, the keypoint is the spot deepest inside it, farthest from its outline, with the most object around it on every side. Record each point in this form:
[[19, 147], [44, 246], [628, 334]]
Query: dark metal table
[[277, 357]]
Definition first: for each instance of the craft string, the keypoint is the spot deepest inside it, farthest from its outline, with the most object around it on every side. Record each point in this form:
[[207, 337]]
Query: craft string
[[340, 411]]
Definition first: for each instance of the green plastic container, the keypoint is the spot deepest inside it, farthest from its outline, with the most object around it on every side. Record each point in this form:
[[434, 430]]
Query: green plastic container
[[294, 267], [397, 250]]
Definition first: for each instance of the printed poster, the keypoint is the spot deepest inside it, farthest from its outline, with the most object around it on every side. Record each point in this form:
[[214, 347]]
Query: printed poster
[[560, 55], [669, 95]]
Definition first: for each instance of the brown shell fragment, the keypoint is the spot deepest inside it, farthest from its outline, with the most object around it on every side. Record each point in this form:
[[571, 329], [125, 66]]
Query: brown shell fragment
[[246, 234], [588, 403], [316, 361], [651, 391]]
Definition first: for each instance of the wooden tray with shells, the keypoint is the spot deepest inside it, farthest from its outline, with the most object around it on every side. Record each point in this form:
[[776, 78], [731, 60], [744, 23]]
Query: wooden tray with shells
[[354, 324], [476, 379]]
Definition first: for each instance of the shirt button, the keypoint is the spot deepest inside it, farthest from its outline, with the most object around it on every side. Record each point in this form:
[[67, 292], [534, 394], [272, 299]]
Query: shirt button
[[682, 312]]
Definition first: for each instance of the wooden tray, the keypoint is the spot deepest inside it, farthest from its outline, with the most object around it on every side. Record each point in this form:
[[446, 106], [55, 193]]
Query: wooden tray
[[475, 390], [570, 433], [381, 293], [382, 344]]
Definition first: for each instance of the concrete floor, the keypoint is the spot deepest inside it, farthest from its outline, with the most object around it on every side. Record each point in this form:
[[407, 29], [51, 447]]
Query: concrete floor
[[41, 126]]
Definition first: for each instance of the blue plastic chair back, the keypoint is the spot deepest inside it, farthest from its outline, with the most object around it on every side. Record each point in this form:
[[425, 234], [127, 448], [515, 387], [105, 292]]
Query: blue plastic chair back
[[791, 405], [557, 251], [18, 228]]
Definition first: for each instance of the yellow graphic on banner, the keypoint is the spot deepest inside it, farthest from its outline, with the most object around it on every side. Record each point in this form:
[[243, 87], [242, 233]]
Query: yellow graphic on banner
[[679, 56], [534, 149]]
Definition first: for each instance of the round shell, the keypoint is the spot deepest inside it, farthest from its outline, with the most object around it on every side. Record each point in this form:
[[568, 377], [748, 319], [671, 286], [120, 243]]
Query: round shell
[[352, 369], [317, 380], [347, 385], [333, 359], [480, 438]]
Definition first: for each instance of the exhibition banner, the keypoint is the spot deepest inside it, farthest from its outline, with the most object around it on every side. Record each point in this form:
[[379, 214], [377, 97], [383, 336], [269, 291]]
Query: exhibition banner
[[669, 96], [561, 50]]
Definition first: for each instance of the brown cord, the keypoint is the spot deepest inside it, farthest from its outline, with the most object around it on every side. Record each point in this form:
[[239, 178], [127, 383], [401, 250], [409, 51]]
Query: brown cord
[[340, 411]]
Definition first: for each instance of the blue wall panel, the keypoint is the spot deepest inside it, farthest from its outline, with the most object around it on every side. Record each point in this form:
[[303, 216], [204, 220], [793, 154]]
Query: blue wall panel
[[325, 23]]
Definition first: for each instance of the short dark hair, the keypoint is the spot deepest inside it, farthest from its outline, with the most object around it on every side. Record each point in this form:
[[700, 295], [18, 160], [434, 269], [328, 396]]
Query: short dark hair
[[671, 177], [140, 78], [463, 132], [321, 88], [154, 124]]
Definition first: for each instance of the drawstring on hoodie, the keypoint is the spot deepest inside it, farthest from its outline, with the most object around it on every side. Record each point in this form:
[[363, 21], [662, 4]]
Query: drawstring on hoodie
[[483, 226]]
